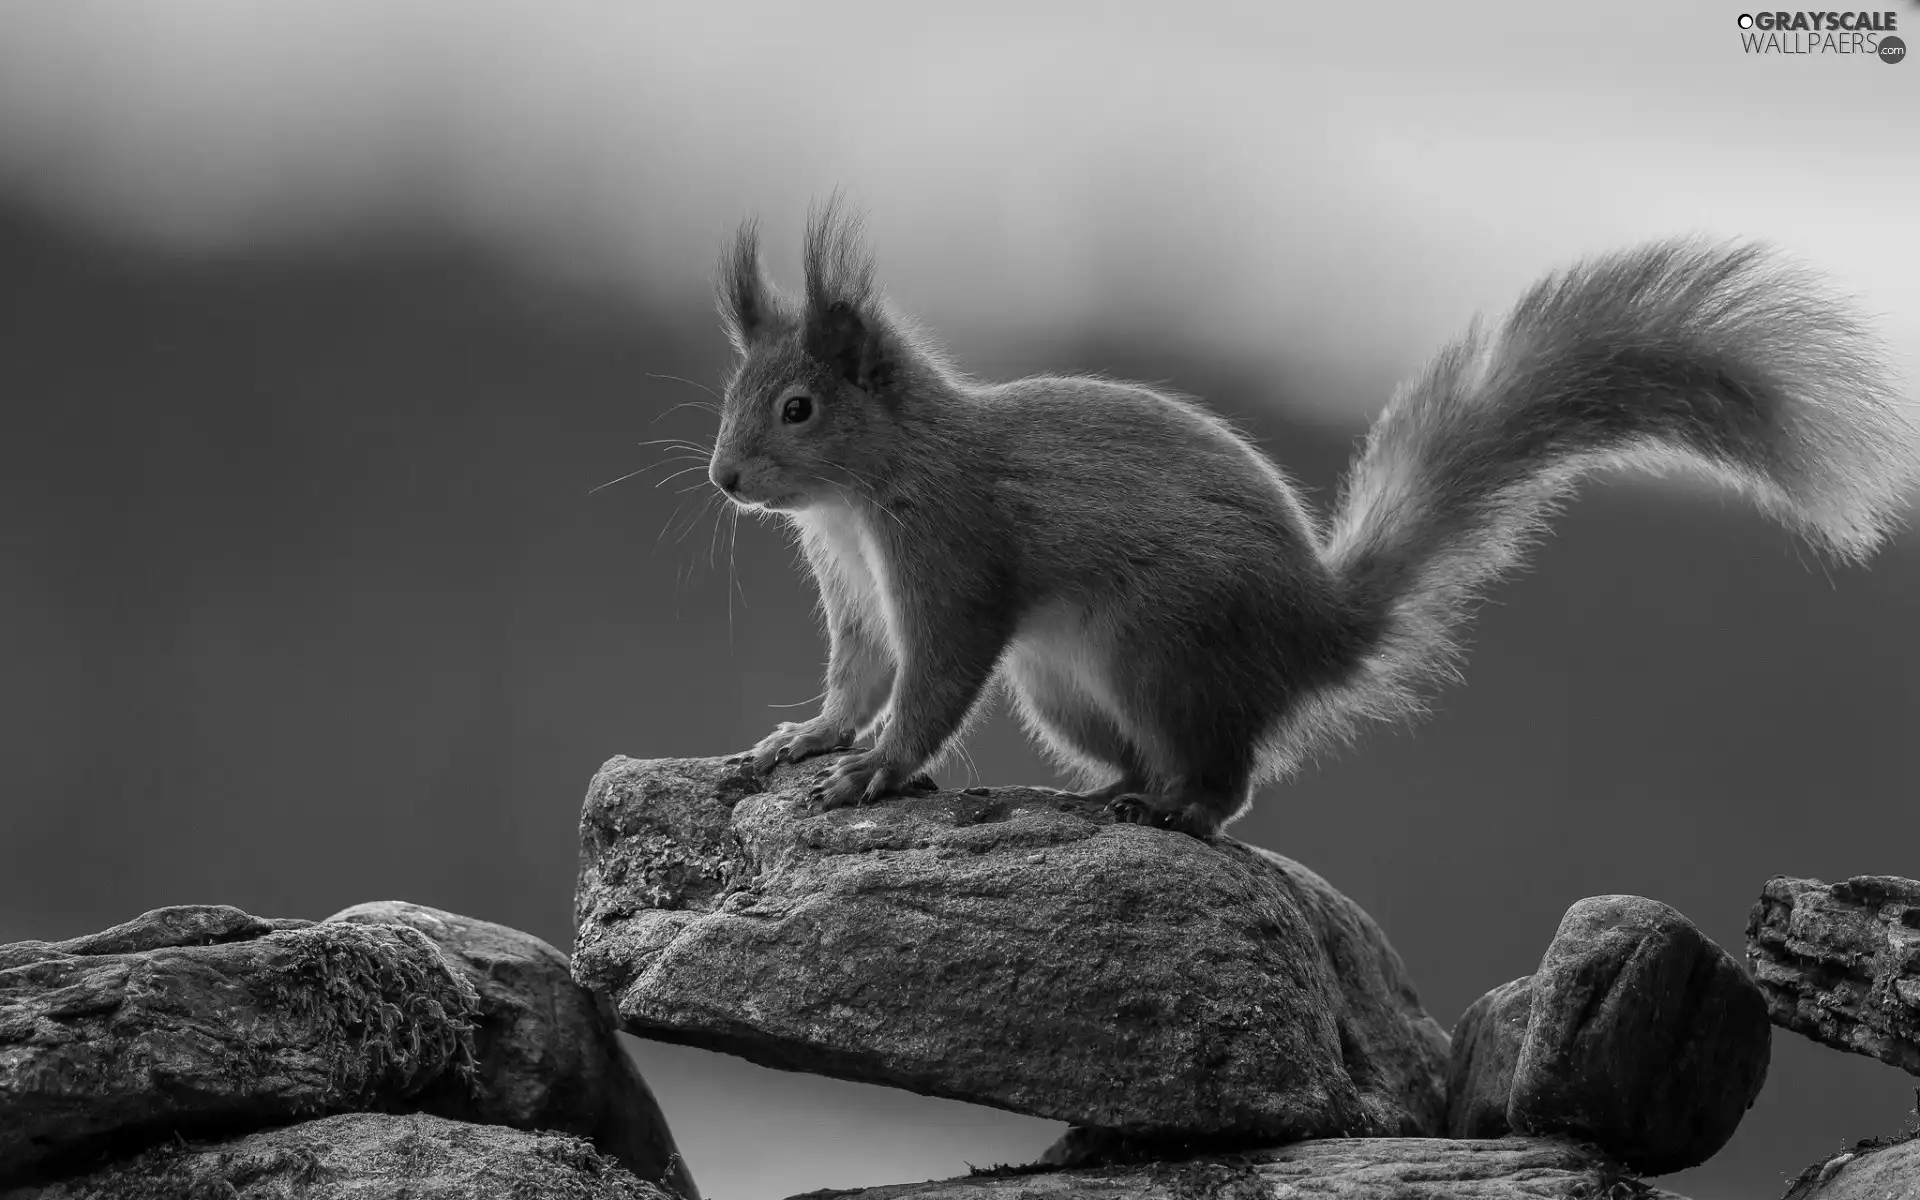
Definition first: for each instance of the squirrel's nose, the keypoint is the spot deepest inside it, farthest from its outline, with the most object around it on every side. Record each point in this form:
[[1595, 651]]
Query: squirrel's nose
[[726, 478]]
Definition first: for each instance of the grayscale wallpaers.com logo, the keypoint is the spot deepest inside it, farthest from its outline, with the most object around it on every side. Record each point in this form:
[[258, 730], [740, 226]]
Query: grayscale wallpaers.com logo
[[1868, 34]]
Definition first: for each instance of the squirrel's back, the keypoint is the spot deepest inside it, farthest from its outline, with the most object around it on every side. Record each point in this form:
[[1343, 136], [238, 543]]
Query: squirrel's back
[[1115, 479]]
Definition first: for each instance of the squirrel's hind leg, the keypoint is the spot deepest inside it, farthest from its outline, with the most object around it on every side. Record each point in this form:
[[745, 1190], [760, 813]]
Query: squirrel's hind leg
[[1073, 730], [1201, 716], [1200, 813]]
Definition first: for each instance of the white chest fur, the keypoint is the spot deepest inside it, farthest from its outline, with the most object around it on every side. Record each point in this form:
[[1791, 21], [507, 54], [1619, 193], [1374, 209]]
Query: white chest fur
[[850, 565]]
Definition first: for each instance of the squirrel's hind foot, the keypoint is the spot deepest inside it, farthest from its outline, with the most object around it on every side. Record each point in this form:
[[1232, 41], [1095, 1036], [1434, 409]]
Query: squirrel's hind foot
[[1179, 815]]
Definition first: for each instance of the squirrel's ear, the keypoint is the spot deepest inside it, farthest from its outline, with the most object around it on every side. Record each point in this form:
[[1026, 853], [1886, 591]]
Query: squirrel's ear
[[748, 305], [845, 327], [856, 348]]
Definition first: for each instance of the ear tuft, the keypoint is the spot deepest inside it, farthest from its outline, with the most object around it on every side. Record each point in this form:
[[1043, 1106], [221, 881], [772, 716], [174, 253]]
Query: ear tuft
[[838, 267], [749, 306], [845, 327]]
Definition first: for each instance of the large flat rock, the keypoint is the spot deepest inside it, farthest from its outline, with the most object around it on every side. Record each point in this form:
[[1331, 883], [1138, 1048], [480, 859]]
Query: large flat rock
[[1840, 963], [362, 1156], [547, 1056], [1007, 947], [1336, 1169], [204, 1017]]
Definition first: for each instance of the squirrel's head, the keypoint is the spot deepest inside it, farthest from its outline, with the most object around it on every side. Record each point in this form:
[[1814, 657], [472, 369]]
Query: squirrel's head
[[817, 387]]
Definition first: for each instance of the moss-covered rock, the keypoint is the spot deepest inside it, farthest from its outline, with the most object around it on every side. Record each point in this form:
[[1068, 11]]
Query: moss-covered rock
[[548, 1056], [204, 1017], [1510, 1168], [362, 1156]]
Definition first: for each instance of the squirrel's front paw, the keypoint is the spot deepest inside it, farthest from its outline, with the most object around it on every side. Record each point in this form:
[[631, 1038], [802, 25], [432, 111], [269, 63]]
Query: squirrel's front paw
[[862, 779], [796, 740]]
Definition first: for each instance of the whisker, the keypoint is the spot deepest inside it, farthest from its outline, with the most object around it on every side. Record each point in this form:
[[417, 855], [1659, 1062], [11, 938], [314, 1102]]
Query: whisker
[[697, 514], [664, 480], [609, 483], [872, 498], [813, 699], [973, 770], [643, 470], [733, 565], [733, 535], [668, 524], [679, 443], [690, 383], [686, 404]]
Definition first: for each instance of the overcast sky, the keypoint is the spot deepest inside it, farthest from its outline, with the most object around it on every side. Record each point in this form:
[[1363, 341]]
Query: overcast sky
[[1337, 184]]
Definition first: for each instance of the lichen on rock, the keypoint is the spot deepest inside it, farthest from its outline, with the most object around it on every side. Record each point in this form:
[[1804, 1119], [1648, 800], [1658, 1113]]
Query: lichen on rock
[[1840, 963]]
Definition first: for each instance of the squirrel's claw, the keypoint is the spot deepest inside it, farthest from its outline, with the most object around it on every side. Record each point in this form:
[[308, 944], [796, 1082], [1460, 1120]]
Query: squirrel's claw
[[863, 778], [1172, 815], [795, 741]]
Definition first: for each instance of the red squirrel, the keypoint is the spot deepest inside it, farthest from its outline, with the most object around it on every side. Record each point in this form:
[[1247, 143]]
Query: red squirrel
[[1175, 625]]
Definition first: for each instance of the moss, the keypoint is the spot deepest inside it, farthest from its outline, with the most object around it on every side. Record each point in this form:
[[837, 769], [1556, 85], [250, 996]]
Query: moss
[[1610, 1183], [1008, 1170], [389, 1012], [1211, 1179]]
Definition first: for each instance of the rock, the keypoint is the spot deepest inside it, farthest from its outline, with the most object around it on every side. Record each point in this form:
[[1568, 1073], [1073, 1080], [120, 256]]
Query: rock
[[1840, 963], [1486, 1046], [1877, 1169], [362, 1156], [1016, 949], [1644, 1037], [205, 1017], [1080, 1146], [1334, 1169], [546, 1051]]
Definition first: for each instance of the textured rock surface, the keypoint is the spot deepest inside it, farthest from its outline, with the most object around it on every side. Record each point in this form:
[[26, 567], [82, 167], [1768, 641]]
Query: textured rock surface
[[362, 1156], [1011, 948], [1486, 1046], [203, 1016], [1644, 1037], [1338, 1169], [1840, 963], [1872, 1170], [547, 1054]]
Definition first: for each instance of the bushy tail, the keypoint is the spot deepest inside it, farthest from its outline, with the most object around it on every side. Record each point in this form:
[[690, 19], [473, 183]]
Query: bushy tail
[[1722, 358]]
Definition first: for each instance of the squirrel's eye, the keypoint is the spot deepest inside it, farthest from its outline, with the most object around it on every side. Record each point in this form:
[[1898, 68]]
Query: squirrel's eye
[[796, 409]]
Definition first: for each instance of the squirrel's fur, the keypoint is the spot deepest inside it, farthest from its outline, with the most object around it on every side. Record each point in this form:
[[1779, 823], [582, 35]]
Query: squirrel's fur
[[1171, 619]]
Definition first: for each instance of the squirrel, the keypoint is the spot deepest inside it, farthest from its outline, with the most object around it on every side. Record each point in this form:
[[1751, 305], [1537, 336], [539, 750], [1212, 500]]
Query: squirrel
[[1175, 625]]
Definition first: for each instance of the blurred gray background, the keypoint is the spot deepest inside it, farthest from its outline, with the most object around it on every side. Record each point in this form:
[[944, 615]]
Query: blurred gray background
[[319, 321]]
